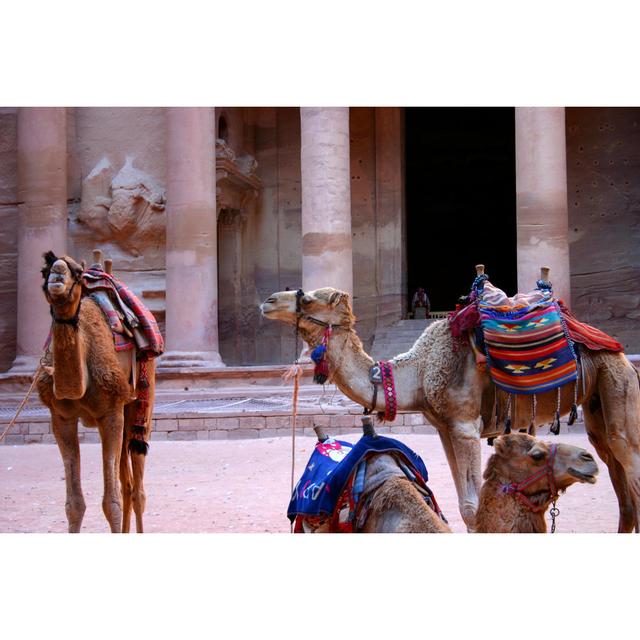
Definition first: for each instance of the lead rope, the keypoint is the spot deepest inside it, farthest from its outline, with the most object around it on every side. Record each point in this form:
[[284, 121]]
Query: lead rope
[[295, 371], [24, 401]]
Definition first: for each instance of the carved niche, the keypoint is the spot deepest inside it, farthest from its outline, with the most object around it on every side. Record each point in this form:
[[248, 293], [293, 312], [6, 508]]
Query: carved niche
[[236, 182], [127, 208]]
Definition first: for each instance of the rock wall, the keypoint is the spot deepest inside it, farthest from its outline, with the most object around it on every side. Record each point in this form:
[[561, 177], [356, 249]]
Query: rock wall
[[8, 235], [603, 163]]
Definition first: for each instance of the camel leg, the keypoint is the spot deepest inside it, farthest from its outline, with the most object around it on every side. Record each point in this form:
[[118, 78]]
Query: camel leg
[[111, 432], [461, 442], [596, 431], [139, 496], [465, 440], [619, 393], [126, 486], [65, 431]]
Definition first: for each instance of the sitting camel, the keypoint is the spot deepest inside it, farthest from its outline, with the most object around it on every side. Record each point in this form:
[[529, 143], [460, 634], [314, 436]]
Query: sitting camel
[[85, 378], [438, 376], [522, 478]]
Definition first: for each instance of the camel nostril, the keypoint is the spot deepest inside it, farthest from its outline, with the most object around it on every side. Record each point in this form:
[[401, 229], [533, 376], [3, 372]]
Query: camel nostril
[[270, 300], [586, 456]]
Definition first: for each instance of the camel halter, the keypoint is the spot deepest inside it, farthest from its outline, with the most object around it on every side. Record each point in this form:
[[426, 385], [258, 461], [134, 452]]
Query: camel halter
[[73, 321], [517, 488]]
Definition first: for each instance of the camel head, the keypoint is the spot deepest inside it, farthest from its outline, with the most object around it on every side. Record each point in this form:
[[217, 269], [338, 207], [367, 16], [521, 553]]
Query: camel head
[[61, 275], [518, 456], [326, 305]]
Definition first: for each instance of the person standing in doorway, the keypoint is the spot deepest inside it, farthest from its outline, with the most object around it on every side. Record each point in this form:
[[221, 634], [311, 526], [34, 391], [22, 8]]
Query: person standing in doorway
[[420, 304]]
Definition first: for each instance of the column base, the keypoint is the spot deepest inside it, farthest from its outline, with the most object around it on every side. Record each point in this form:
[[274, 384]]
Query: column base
[[25, 364], [173, 360]]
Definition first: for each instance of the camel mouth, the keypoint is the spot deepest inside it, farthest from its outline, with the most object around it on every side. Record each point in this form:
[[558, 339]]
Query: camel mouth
[[266, 308], [590, 478], [55, 288]]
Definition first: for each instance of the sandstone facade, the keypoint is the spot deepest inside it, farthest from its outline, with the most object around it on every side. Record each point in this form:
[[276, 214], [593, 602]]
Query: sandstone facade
[[118, 177]]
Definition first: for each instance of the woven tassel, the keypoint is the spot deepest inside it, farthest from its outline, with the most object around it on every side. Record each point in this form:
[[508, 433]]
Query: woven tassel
[[532, 427], [573, 414], [555, 426], [321, 370], [507, 419]]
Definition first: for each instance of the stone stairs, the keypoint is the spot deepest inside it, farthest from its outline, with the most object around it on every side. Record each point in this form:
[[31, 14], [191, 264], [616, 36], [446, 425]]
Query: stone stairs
[[397, 338]]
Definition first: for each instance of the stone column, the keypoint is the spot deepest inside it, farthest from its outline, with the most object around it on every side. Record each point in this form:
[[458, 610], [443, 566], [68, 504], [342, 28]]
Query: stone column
[[42, 221], [192, 252], [326, 199], [541, 191]]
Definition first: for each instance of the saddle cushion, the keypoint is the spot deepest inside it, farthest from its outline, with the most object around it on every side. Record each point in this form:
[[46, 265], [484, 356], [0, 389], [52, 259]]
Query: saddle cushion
[[139, 319], [527, 348], [332, 465]]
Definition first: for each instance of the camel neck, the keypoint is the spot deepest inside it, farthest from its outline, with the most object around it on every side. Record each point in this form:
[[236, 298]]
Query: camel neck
[[348, 363], [501, 512], [69, 367]]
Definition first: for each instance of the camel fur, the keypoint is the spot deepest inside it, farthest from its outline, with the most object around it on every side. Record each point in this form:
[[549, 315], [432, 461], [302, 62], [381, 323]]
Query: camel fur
[[85, 378], [439, 377]]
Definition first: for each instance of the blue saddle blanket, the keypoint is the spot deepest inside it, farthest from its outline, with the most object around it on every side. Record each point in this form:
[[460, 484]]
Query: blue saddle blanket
[[331, 465]]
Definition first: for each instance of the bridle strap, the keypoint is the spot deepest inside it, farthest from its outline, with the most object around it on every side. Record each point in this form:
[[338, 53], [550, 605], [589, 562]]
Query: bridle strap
[[303, 316], [517, 488], [73, 321]]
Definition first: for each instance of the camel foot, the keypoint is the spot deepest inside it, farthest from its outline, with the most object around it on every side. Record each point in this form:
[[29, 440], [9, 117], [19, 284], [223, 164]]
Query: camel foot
[[469, 516]]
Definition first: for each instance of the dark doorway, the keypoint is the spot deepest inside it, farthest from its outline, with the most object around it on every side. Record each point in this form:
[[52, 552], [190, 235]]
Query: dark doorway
[[460, 199]]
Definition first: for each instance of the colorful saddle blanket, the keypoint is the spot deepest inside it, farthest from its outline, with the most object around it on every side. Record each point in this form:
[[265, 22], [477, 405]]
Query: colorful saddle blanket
[[528, 350], [132, 324], [332, 465]]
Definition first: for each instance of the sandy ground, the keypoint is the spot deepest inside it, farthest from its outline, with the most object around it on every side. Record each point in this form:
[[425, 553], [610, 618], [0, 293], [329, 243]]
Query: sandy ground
[[235, 486]]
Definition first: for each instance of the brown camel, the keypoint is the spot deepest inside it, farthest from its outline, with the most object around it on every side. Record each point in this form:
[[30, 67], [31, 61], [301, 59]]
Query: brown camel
[[520, 459], [390, 502], [438, 376], [396, 505], [86, 378]]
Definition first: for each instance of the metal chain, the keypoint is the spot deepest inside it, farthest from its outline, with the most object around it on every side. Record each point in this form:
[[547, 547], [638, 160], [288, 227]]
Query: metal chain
[[554, 512]]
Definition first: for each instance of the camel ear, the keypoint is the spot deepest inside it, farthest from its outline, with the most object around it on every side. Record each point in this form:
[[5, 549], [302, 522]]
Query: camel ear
[[49, 258], [502, 446], [336, 298]]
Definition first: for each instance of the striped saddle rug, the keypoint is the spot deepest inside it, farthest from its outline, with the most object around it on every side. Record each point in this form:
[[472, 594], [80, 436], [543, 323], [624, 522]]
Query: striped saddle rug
[[528, 350]]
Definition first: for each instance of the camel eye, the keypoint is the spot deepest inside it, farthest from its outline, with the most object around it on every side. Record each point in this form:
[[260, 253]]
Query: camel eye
[[538, 455]]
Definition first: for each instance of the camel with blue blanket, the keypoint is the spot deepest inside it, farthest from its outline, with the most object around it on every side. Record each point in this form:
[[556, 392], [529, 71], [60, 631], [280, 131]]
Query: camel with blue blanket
[[450, 377]]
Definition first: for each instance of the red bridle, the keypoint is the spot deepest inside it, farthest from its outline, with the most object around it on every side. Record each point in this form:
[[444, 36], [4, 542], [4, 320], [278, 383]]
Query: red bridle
[[547, 470]]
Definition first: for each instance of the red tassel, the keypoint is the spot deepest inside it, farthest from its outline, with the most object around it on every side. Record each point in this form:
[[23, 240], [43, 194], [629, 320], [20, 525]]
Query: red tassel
[[321, 371]]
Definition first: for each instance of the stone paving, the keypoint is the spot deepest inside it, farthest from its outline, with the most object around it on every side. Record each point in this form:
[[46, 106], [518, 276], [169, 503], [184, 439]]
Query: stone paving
[[237, 486]]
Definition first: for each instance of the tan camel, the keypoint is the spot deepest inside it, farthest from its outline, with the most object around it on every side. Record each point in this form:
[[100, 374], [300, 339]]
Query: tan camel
[[86, 378], [396, 506], [390, 502], [438, 376], [520, 459]]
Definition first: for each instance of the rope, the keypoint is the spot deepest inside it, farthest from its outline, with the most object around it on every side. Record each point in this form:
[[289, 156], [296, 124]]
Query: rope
[[294, 372], [23, 403]]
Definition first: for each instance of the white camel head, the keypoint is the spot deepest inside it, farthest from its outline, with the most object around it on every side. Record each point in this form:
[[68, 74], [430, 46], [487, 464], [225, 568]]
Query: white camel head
[[326, 305]]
